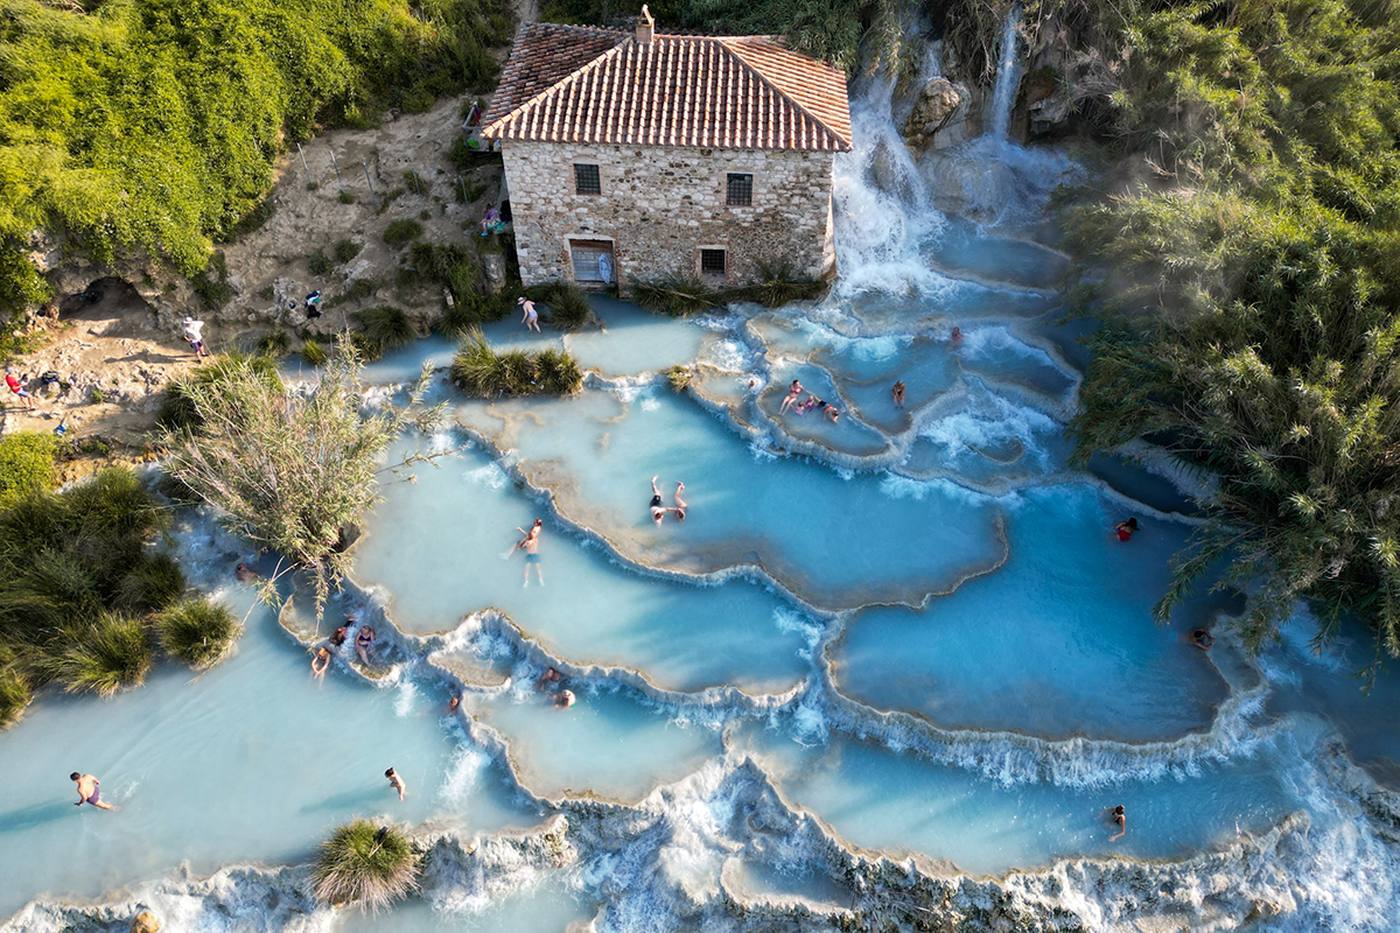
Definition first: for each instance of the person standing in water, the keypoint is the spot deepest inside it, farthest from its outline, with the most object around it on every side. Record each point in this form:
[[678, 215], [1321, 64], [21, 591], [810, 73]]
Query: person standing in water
[[89, 791], [396, 782], [897, 393], [530, 544], [529, 316], [1119, 816], [794, 391], [1126, 529], [658, 511]]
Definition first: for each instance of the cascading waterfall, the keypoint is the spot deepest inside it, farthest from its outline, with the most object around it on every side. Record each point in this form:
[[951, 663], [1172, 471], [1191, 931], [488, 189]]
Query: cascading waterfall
[[1008, 76]]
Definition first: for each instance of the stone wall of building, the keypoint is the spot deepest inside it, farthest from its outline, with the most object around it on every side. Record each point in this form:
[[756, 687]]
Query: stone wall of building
[[660, 205]]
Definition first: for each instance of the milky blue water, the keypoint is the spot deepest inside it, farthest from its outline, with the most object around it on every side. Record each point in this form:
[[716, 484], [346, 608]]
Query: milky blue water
[[915, 621]]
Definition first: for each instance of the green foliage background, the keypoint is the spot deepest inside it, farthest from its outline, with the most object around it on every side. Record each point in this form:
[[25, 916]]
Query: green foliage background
[[1254, 292], [152, 126]]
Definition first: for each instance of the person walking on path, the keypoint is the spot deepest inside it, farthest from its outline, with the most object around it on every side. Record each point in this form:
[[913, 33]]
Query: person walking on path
[[530, 317], [89, 791], [193, 333]]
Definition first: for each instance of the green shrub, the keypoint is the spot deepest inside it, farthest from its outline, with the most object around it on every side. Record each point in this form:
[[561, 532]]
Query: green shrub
[[365, 865], [1244, 264], [290, 470], [319, 265], [383, 328], [275, 345], [358, 290], [313, 352], [472, 310], [198, 632], [26, 465], [481, 372], [566, 307], [346, 196], [415, 182], [15, 695], [777, 285], [346, 250], [177, 410], [153, 583], [102, 656], [679, 377], [401, 232]]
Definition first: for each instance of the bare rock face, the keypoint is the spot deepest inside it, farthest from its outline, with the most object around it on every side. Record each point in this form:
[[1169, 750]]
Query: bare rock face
[[940, 116], [145, 922]]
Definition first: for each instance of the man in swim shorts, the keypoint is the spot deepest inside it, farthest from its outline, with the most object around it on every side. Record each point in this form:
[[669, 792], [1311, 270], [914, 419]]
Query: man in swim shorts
[[89, 791], [530, 544]]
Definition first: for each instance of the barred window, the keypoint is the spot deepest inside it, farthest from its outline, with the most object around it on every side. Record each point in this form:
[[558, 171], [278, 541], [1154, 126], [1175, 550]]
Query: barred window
[[586, 180], [712, 261], [739, 191]]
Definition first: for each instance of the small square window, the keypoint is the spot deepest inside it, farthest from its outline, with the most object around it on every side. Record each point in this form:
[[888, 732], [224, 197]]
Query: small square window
[[712, 261], [586, 180], [739, 191]]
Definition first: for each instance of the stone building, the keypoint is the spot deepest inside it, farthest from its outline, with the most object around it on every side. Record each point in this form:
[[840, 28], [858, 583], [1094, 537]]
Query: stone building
[[632, 155]]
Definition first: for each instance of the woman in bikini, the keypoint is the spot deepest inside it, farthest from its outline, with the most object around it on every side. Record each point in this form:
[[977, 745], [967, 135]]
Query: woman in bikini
[[364, 638], [790, 399]]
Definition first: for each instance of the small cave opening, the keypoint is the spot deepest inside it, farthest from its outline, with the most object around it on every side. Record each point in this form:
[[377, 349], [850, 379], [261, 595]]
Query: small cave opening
[[109, 306]]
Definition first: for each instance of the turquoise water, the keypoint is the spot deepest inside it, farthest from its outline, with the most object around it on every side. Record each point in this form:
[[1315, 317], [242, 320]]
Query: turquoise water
[[910, 631], [252, 761]]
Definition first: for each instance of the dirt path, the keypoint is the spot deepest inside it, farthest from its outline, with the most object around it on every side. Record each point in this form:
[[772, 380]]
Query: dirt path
[[114, 353]]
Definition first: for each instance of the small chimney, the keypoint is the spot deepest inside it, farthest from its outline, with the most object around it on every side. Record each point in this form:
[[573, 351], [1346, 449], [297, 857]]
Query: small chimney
[[645, 27]]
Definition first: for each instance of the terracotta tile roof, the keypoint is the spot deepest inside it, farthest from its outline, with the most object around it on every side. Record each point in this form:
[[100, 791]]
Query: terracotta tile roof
[[586, 85]]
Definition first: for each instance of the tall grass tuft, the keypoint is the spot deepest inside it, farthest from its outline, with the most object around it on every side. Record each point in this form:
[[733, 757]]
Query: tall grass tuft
[[679, 377], [198, 632], [314, 352], [102, 656], [383, 328], [566, 306], [153, 583], [26, 465], [178, 411], [677, 297], [481, 372], [365, 865], [14, 695]]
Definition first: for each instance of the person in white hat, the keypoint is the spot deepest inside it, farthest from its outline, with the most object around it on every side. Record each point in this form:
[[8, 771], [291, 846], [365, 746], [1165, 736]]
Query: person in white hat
[[194, 335]]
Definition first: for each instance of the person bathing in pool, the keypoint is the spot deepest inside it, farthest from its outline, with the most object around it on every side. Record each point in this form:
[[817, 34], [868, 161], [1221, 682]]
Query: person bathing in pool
[[530, 544], [1119, 817], [89, 791], [658, 511], [790, 399]]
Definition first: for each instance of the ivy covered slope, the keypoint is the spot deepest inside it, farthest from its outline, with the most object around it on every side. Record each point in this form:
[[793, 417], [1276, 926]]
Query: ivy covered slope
[[151, 126], [1255, 285]]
